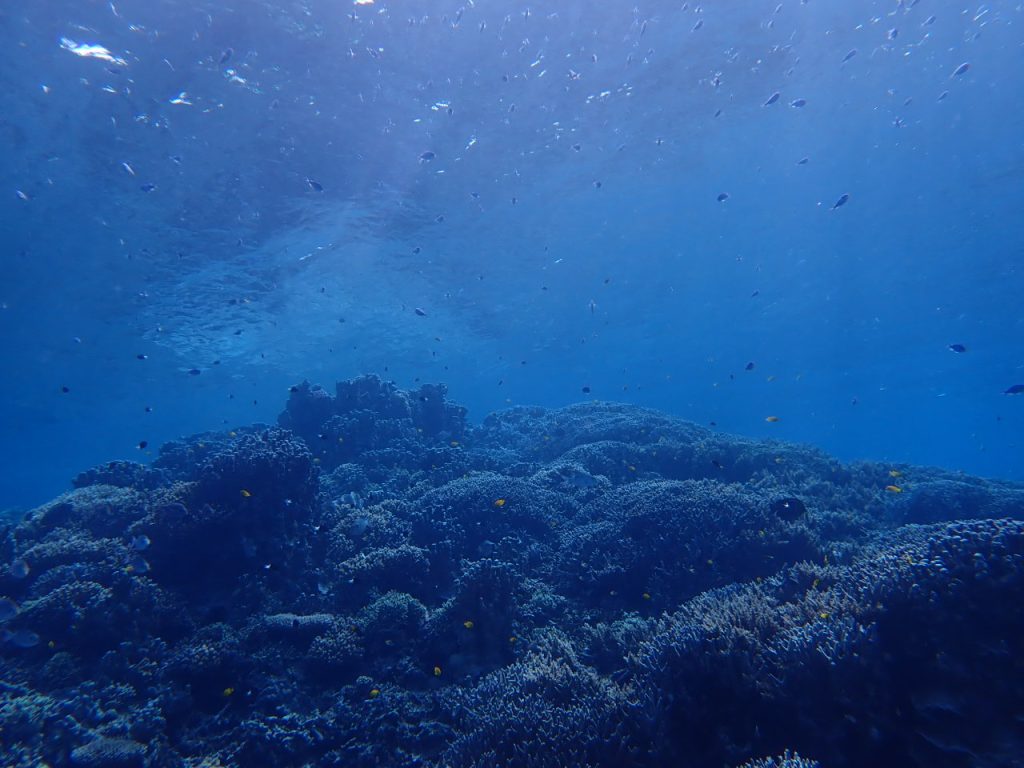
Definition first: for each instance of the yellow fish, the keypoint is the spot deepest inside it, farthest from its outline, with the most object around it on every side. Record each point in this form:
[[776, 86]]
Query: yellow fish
[[467, 624], [374, 693], [227, 692], [499, 503], [437, 671], [245, 493], [893, 489]]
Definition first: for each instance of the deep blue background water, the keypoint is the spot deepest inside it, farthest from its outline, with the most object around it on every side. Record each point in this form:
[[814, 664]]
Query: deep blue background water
[[582, 244]]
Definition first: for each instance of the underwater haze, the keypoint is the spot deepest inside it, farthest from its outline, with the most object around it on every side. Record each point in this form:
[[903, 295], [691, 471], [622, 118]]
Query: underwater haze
[[266, 192], [482, 384]]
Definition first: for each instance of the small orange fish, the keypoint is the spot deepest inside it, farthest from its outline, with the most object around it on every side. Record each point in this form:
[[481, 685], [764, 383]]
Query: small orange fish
[[499, 503], [772, 419], [246, 493], [893, 489]]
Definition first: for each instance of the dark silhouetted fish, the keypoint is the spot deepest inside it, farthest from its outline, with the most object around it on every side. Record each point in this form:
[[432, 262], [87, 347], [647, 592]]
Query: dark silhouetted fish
[[1016, 389], [958, 348], [843, 200], [772, 99]]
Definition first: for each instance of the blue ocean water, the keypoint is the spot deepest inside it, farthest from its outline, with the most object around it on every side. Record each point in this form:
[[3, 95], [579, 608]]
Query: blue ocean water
[[537, 282], [794, 222]]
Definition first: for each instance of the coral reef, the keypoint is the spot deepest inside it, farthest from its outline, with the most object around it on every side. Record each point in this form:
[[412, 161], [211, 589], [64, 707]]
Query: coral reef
[[375, 581]]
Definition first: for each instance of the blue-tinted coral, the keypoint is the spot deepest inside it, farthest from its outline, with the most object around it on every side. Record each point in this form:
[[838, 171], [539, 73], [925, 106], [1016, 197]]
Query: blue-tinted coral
[[599, 585], [547, 709], [786, 760], [649, 545]]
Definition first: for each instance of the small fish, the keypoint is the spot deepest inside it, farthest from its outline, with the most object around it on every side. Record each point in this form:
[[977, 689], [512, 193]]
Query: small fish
[[143, 444], [772, 419], [850, 55], [148, 187], [586, 390], [227, 692], [797, 103], [467, 624], [1016, 389], [893, 33], [895, 473], [437, 671], [698, 25], [374, 693], [843, 200], [226, 55], [65, 389], [942, 96], [194, 371], [893, 489], [420, 312], [772, 99], [426, 157], [19, 569], [499, 503], [245, 493], [315, 185], [137, 564], [21, 195], [140, 543], [141, 357], [748, 367], [8, 609], [128, 169], [803, 161], [958, 348], [722, 197], [961, 69]]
